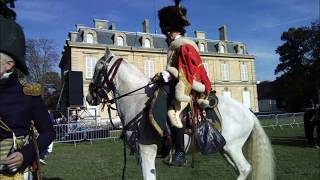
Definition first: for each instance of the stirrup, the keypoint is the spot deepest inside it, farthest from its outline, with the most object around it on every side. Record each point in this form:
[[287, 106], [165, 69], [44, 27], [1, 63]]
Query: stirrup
[[173, 119]]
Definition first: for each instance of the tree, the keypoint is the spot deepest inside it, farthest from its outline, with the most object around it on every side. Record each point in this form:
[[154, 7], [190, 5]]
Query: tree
[[265, 90], [41, 58], [6, 9], [298, 70]]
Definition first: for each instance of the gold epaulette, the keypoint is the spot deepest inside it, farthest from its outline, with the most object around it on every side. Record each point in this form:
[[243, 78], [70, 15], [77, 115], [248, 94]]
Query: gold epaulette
[[31, 89]]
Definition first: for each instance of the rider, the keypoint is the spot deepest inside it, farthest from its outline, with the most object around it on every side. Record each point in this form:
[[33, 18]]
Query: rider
[[185, 67]]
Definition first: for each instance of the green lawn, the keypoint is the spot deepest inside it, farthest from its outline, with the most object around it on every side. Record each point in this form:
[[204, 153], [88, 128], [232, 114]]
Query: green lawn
[[104, 160]]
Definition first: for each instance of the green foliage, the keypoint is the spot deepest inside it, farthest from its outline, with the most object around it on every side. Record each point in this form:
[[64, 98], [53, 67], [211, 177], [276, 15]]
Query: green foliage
[[104, 160], [6, 9], [299, 67], [265, 89]]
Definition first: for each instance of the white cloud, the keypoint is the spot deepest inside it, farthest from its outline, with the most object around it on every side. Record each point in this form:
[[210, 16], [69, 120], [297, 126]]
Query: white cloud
[[266, 62], [39, 11], [265, 56], [276, 22]]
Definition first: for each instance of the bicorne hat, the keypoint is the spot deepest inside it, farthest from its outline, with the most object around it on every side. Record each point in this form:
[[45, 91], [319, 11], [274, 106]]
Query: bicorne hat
[[12, 42], [173, 18]]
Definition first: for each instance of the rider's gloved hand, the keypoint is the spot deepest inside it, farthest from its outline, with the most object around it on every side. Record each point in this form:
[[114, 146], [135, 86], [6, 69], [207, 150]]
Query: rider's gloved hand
[[163, 76], [166, 76]]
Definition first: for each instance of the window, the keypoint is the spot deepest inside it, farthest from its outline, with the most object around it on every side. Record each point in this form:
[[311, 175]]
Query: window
[[221, 48], [147, 43], [201, 47], [120, 41], [246, 99], [89, 38], [241, 51], [225, 72], [244, 72], [227, 94], [206, 67], [149, 68], [90, 65]]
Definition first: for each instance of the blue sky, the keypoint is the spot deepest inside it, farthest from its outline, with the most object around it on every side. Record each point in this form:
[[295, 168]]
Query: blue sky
[[257, 23]]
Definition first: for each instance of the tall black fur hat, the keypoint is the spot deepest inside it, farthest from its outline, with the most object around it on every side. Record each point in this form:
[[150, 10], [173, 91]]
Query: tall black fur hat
[[12, 42], [173, 18]]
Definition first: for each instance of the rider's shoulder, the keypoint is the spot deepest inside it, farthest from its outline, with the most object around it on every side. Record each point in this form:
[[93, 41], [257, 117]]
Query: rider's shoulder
[[31, 89]]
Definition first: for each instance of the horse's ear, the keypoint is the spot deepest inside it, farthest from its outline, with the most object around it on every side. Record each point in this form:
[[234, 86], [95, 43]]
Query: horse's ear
[[107, 52]]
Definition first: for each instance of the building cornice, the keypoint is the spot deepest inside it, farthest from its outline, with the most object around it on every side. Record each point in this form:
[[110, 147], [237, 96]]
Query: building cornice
[[226, 55], [117, 48], [244, 83]]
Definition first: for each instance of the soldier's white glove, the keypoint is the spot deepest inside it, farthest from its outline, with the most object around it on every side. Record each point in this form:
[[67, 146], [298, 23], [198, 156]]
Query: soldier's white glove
[[166, 76]]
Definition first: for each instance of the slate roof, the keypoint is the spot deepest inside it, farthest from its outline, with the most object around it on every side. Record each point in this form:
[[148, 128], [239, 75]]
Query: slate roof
[[133, 39]]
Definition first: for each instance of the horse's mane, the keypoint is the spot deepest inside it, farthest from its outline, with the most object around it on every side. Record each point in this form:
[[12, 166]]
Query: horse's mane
[[129, 66]]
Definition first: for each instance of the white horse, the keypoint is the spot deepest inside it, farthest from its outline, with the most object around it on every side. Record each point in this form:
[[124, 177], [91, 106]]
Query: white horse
[[239, 126]]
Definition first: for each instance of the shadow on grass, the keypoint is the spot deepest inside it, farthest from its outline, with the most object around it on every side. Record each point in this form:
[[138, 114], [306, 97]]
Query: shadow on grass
[[54, 178], [298, 141]]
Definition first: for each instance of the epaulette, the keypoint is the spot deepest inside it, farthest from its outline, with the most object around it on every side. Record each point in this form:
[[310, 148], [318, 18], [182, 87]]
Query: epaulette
[[31, 89]]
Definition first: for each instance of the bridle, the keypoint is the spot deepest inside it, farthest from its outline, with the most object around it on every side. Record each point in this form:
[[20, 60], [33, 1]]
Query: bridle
[[108, 76]]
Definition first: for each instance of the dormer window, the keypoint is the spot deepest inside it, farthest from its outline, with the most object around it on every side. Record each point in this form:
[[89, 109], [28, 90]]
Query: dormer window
[[240, 49], [201, 47], [221, 48], [120, 41], [147, 43], [90, 38]]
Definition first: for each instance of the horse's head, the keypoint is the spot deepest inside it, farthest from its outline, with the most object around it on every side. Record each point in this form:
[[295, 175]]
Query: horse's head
[[99, 86]]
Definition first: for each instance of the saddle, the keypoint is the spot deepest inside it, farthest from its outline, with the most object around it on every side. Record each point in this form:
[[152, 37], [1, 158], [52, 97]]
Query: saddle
[[160, 122]]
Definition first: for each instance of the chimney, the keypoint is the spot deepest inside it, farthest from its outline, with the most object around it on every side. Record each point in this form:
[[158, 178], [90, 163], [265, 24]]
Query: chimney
[[100, 23], [145, 26], [112, 26], [78, 26], [200, 34], [73, 36], [223, 33]]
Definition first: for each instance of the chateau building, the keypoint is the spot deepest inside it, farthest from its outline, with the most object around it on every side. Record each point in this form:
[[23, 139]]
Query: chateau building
[[229, 66]]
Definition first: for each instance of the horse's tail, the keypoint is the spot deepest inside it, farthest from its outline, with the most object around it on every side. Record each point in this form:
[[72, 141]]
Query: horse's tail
[[260, 154]]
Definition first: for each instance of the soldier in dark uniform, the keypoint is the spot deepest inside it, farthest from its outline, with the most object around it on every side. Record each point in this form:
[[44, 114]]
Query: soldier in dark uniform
[[20, 104]]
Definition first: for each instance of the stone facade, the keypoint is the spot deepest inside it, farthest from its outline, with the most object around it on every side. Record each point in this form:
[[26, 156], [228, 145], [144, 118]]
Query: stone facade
[[230, 68]]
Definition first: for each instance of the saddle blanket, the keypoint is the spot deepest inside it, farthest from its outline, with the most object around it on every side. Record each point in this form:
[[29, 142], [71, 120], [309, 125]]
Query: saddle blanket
[[159, 108]]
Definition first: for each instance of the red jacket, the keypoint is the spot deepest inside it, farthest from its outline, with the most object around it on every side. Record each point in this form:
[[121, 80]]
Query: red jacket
[[190, 64]]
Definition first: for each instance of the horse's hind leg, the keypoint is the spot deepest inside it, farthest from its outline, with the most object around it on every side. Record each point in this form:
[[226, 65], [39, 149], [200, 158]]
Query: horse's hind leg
[[148, 155], [239, 161]]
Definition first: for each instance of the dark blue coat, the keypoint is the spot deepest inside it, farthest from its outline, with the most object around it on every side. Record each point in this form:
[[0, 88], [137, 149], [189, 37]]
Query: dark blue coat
[[17, 110]]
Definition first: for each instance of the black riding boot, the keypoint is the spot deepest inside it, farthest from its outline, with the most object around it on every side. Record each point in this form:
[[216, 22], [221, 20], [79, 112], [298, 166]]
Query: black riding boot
[[179, 156]]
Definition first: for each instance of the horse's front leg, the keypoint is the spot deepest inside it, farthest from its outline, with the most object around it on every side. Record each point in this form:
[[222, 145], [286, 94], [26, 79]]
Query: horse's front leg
[[148, 155]]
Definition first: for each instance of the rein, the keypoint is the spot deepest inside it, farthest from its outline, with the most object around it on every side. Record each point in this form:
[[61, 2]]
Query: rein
[[112, 101]]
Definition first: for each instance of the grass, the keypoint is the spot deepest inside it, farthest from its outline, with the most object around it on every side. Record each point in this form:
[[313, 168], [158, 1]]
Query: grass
[[104, 160]]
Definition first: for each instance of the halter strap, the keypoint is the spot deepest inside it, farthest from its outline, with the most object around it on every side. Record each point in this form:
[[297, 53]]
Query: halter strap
[[114, 69]]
